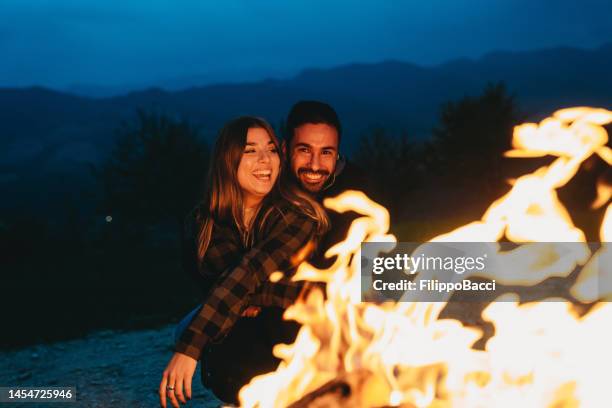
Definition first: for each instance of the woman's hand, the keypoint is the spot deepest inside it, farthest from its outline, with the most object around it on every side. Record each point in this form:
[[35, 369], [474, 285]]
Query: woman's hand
[[251, 311], [177, 376]]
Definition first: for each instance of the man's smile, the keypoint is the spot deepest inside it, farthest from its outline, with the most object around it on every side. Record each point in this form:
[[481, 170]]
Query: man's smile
[[314, 177]]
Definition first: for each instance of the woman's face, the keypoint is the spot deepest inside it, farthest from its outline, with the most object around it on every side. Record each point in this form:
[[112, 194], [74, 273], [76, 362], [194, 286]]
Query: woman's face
[[259, 166]]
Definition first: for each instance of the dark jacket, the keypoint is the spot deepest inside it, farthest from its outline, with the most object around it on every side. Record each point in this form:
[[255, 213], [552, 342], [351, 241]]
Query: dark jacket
[[348, 177]]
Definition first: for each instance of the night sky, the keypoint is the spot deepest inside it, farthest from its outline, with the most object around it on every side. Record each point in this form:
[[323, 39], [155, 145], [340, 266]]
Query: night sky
[[60, 43]]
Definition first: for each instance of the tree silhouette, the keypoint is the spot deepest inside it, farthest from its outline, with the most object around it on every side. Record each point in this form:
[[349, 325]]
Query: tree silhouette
[[473, 134], [154, 173], [393, 165]]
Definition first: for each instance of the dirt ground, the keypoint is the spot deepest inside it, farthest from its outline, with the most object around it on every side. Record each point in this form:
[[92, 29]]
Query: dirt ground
[[108, 369]]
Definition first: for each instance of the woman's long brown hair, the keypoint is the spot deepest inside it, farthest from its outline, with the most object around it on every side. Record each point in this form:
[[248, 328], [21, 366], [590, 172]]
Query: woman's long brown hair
[[223, 200]]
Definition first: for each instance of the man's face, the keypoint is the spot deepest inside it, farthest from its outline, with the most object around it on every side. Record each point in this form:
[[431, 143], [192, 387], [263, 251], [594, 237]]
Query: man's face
[[313, 154]]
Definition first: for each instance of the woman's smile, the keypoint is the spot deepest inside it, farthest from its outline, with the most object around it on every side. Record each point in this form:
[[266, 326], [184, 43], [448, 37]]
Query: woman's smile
[[263, 175]]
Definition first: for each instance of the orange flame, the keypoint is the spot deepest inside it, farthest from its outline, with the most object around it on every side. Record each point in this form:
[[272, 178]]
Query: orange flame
[[542, 354]]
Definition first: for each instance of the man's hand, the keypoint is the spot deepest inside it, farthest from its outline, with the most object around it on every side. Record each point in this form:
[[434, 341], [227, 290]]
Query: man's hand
[[177, 376]]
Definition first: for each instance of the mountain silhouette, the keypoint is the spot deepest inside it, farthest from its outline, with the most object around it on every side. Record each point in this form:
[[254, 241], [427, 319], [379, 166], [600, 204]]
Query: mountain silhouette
[[45, 131]]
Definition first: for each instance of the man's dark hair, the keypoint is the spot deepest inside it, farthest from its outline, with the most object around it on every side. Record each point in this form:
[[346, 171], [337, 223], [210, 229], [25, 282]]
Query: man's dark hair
[[311, 112]]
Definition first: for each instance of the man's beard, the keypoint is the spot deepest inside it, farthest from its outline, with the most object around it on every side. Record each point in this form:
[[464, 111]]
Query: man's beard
[[316, 186]]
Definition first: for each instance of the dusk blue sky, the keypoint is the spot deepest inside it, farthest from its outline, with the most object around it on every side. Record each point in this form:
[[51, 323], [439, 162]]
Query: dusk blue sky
[[60, 43]]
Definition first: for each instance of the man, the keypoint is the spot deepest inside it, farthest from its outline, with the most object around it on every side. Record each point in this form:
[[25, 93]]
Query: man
[[312, 142]]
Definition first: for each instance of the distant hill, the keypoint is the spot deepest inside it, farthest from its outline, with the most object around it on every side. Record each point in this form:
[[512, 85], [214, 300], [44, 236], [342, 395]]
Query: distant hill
[[44, 130]]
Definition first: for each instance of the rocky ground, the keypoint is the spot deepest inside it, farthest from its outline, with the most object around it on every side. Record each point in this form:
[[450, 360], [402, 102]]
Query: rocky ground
[[108, 369]]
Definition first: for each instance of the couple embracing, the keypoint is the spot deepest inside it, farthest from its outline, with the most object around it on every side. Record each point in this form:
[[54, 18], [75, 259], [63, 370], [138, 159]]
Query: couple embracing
[[261, 213]]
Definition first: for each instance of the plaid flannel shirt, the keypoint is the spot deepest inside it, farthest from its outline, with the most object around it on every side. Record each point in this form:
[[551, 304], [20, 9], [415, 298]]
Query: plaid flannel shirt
[[244, 279]]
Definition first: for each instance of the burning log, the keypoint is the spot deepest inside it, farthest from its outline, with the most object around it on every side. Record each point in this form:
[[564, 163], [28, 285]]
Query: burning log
[[352, 390], [336, 393]]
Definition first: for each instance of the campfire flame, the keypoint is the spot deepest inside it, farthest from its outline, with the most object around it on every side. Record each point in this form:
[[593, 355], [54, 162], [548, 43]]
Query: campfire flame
[[404, 354]]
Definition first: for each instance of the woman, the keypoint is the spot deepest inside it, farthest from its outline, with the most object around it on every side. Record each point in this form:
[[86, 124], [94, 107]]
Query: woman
[[248, 227]]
